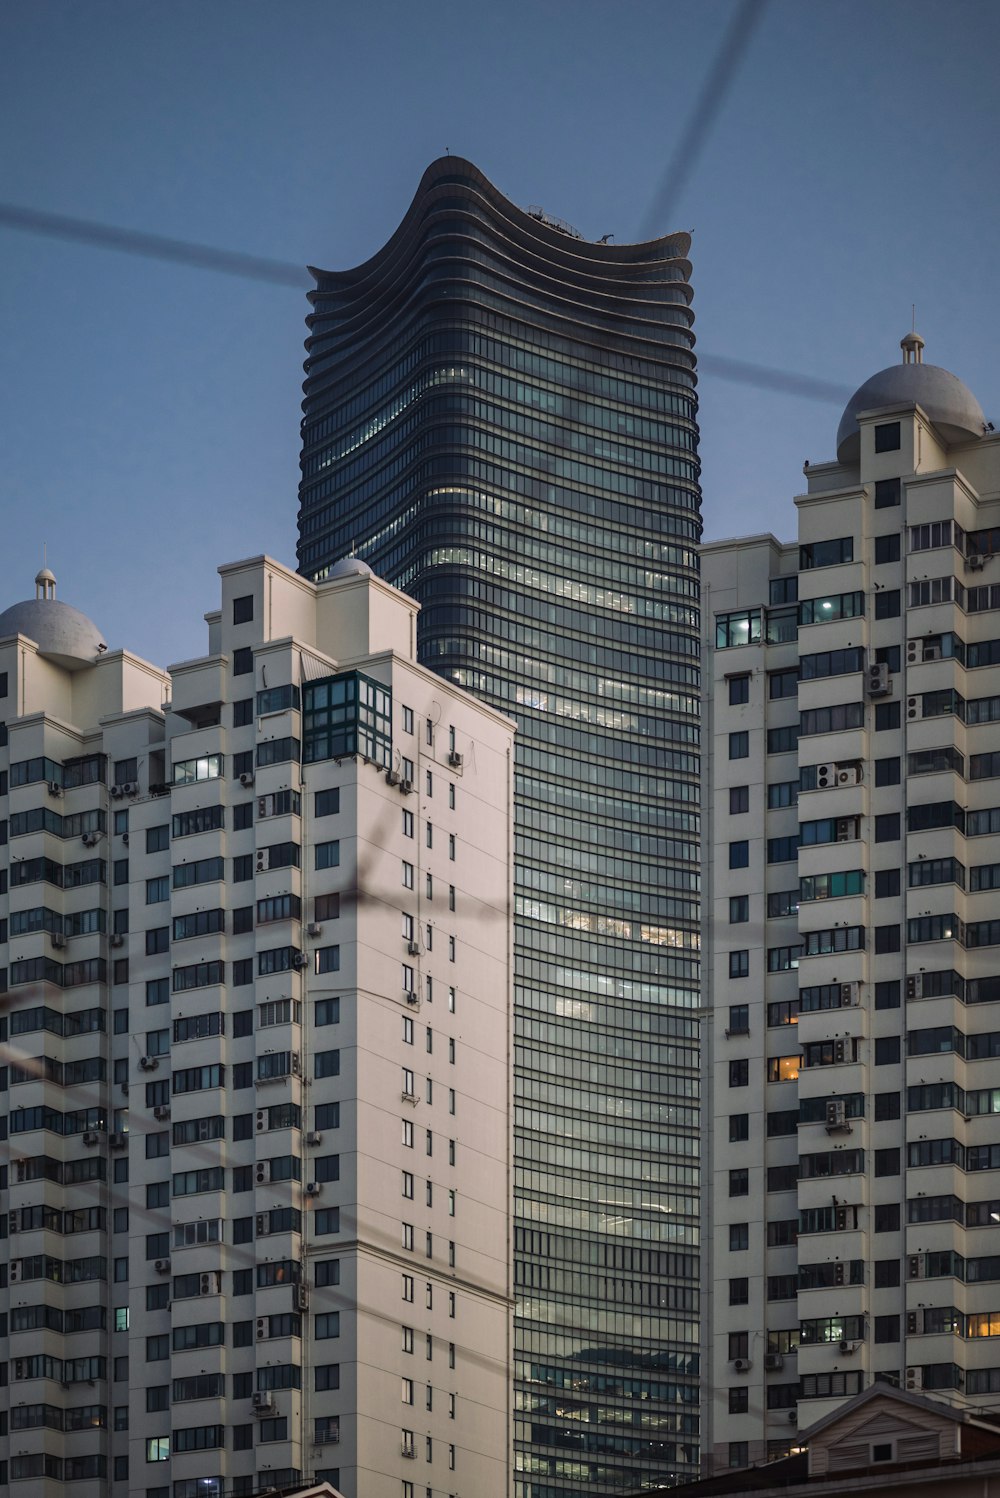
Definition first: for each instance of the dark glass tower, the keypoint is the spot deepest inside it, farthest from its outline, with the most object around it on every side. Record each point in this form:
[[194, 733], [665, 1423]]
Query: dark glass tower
[[500, 417]]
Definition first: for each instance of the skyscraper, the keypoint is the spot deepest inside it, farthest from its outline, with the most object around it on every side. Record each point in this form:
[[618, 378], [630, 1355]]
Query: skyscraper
[[852, 864], [500, 418], [256, 1177]]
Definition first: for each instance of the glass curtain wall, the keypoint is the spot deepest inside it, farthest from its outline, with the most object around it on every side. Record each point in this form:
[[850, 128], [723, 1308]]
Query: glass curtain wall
[[500, 418]]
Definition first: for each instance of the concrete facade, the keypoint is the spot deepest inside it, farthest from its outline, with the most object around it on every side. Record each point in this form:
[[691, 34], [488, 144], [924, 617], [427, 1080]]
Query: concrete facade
[[257, 1052], [852, 861]]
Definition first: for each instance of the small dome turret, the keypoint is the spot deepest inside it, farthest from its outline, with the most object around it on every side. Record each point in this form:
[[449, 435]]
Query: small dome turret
[[62, 633], [951, 406]]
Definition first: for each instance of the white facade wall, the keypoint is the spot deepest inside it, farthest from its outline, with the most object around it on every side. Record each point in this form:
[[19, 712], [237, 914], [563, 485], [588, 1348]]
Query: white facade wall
[[298, 1244], [848, 991]]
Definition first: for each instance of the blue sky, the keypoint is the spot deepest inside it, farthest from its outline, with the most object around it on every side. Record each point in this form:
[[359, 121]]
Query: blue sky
[[150, 412]]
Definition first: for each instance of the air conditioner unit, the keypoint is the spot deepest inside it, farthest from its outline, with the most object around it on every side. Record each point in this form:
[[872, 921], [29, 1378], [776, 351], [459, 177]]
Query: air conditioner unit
[[914, 1267], [261, 1225], [840, 1219], [915, 986], [314, 928], [825, 776], [209, 1283], [314, 1137], [847, 1347], [261, 1121], [773, 1362], [263, 860], [932, 650], [455, 759], [412, 998], [162, 1266], [261, 1328], [848, 776], [124, 838], [974, 562], [313, 1188], [262, 1172], [117, 1141], [850, 995], [90, 839], [912, 1323], [405, 787], [91, 1137], [246, 779], [130, 788], [836, 1113], [117, 792], [838, 1273], [148, 1063], [300, 960], [161, 1111], [913, 707], [879, 680], [912, 652], [300, 1298], [117, 940], [792, 1416], [391, 777], [846, 830], [54, 788], [12, 1222], [914, 1378], [840, 1050], [413, 948], [57, 938], [263, 1402], [742, 1365], [296, 1064], [14, 1271]]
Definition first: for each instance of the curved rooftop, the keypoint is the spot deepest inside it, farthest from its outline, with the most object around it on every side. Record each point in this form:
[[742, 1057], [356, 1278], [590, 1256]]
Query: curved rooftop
[[62, 633], [949, 404], [350, 567]]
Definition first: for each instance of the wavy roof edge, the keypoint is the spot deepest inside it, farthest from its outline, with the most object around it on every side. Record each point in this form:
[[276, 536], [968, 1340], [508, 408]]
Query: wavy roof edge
[[594, 252]]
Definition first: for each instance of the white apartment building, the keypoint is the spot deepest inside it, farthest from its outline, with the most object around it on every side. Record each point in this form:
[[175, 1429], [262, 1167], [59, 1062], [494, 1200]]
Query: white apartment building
[[852, 870], [256, 1055]]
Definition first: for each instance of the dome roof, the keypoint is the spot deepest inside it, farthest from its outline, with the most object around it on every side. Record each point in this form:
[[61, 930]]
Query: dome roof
[[62, 633], [951, 406], [350, 567]]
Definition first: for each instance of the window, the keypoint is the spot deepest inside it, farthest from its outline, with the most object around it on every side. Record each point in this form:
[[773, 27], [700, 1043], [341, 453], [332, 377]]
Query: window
[[887, 771], [243, 609], [739, 1236], [782, 683], [739, 1072], [739, 909], [887, 548], [887, 604], [887, 437], [887, 938], [739, 745], [739, 854], [739, 800], [739, 1127], [740, 628], [826, 553], [739, 690], [887, 716], [887, 493], [739, 964]]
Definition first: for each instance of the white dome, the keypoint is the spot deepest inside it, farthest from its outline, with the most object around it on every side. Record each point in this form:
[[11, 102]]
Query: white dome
[[351, 567], [951, 406], [61, 632]]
